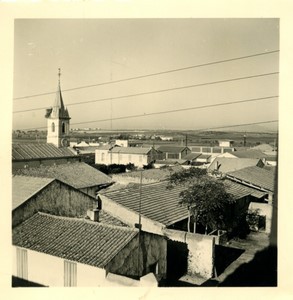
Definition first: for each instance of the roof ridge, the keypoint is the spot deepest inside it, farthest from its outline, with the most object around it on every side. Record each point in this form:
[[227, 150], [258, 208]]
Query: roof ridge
[[84, 220]]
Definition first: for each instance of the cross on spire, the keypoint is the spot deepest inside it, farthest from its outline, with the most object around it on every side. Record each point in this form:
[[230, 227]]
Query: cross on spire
[[59, 74]]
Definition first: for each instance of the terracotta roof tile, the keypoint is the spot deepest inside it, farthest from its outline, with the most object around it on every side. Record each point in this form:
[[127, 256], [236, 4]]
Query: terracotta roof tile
[[86, 242], [239, 191], [260, 177], [157, 202], [79, 175]]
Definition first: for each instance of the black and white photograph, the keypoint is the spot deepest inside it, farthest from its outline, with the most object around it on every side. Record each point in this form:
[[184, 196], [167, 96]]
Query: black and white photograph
[[145, 153]]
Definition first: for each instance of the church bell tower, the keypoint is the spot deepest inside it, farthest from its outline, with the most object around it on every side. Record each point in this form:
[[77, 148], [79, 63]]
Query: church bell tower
[[58, 120]]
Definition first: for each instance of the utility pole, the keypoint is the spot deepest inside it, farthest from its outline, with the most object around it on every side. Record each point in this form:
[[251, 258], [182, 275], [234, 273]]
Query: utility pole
[[139, 225]]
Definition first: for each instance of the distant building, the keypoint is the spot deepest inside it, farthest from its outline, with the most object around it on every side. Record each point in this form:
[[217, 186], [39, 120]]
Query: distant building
[[174, 152], [121, 143], [166, 138], [212, 151], [226, 143], [125, 155]]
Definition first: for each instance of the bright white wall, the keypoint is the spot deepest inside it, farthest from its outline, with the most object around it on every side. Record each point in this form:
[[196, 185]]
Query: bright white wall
[[48, 270], [130, 217]]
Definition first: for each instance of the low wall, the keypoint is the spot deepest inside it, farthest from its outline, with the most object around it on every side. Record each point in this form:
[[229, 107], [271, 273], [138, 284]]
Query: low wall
[[123, 179], [200, 251]]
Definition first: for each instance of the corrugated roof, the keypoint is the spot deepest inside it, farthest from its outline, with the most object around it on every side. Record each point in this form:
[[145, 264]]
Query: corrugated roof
[[257, 176], [157, 202], [35, 151], [24, 187], [131, 150], [228, 164], [86, 242], [172, 149], [79, 174]]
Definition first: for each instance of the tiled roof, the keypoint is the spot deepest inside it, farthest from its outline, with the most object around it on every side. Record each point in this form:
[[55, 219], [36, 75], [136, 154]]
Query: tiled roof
[[231, 164], [156, 174], [172, 149], [35, 151], [86, 242], [131, 150], [260, 177], [239, 191], [78, 175], [106, 218], [24, 187], [250, 153], [157, 202], [161, 204]]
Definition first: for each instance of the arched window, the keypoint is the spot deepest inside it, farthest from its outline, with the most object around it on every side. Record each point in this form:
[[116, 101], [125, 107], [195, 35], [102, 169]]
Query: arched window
[[53, 127], [63, 127]]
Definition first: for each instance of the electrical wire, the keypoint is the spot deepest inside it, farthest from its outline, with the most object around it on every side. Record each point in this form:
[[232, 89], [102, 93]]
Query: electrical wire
[[157, 91], [151, 74], [166, 112]]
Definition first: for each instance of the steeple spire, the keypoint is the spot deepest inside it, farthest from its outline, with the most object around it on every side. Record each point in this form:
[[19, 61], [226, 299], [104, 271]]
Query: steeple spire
[[58, 119], [59, 75]]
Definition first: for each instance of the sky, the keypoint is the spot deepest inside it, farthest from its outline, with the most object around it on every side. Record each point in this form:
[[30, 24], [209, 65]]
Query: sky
[[93, 51]]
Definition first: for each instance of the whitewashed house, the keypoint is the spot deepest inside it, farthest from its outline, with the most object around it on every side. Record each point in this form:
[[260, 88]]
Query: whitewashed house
[[125, 155]]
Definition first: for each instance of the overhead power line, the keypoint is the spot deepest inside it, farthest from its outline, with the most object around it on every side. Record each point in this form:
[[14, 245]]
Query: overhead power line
[[166, 112], [152, 74], [157, 91]]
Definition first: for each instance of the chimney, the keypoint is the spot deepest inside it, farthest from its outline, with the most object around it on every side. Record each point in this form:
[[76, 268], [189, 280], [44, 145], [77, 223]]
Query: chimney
[[93, 214]]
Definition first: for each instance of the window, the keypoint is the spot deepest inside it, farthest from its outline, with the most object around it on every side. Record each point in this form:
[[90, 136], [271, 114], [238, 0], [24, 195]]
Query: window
[[69, 273], [63, 127], [21, 262], [53, 127]]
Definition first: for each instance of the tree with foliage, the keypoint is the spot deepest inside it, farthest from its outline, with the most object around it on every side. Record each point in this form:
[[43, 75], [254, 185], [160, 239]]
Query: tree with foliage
[[205, 198]]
